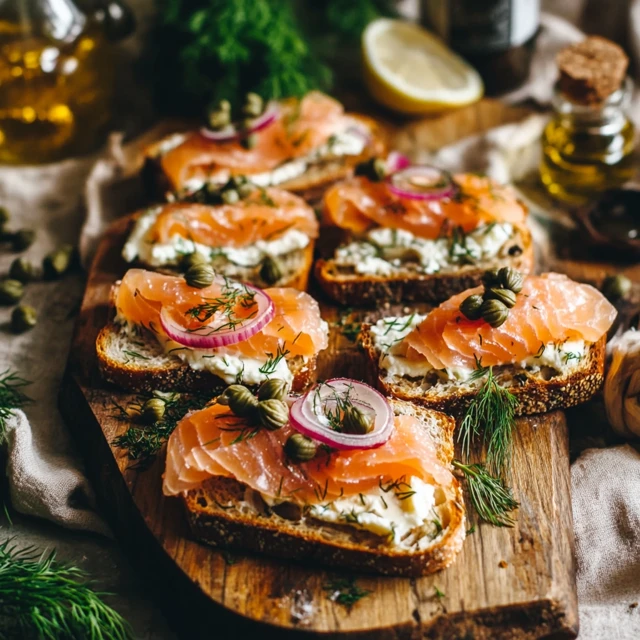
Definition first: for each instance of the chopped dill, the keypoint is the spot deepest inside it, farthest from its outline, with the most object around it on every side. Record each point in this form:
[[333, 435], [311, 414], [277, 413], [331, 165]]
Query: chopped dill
[[345, 591], [143, 442], [135, 355], [349, 329], [571, 356], [437, 593], [271, 365]]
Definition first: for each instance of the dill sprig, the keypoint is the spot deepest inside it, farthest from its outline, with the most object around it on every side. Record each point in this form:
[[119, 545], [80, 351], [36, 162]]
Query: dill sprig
[[47, 599], [11, 397], [490, 497], [345, 591], [348, 327], [273, 360], [142, 443], [490, 416]]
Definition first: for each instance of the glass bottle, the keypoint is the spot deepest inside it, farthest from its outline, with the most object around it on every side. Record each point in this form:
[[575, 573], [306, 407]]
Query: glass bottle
[[497, 37], [587, 149], [56, 78]]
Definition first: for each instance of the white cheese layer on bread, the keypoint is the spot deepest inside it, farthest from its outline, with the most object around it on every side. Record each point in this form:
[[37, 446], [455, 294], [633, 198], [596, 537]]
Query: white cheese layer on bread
[[388, 335], [226, 365], [384, 251], [140, 245]]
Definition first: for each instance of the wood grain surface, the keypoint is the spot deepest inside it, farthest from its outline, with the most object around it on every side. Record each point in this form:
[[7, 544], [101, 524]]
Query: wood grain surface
[[506, 583]]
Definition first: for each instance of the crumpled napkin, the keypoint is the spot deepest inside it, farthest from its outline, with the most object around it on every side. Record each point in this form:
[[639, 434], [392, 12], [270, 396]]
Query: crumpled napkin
[[622, 384]]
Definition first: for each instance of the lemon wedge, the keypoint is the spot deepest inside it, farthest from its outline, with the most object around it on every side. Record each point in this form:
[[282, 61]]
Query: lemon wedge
[[410, 70]]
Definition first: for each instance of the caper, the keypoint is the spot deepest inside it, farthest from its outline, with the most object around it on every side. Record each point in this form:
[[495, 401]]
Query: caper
[[247, 124], [21, 269], [4, 217], [270, 271], [616, 287], [250, 141], [470, 307], [10, 291], [273, 388], [219, 119], [411, 255], [191, 259], [23, 318], [490, 278], [224, 105], [240, 400], [300, 448], [246, 189], [253, 106], [375, 169], [153, 410], [510, 279], [273, 413], [21, 240], [494, 312], [230, 196], [58, 262], [506, 296], [199, 276], [354, 420]]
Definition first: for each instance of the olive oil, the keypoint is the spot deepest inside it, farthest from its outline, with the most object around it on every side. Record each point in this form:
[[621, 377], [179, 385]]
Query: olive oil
[[55, 96], [582, 157]]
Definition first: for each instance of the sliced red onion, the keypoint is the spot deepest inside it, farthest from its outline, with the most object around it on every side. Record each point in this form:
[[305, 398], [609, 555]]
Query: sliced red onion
[[359, 131], [422, 182], [210, 336], [397, 161], [232, 132], [304, 417]]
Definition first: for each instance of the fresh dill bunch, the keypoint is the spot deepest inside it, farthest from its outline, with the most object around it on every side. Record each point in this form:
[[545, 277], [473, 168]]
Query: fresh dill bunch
[[490, 497], [348, 18], [43, 598], [490, 417], [210, 50], [345, 591], [11, 397]]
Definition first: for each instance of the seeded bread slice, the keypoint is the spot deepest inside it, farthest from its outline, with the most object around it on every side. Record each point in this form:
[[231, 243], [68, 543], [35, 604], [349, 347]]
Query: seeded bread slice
[[139, 364], [225, 513], [408, 285], [536, 391], [311, 185]]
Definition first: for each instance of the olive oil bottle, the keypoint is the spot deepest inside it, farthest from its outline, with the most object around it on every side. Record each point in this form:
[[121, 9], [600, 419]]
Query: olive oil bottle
[[56, 81]]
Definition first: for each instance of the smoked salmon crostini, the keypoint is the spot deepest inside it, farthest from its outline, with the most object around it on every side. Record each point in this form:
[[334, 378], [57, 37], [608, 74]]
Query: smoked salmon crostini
[[415, 233], [261, 236], [298, 144], [172, 334]]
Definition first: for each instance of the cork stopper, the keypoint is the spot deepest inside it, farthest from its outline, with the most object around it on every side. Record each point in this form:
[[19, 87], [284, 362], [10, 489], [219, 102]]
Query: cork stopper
[[591, 70]]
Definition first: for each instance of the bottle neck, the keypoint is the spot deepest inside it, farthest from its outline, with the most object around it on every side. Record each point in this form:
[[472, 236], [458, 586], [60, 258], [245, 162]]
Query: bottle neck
[[607, 118]]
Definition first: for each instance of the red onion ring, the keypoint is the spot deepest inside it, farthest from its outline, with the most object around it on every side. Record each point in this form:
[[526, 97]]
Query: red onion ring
[[221, 337], [430, 176], [232, 132], [304, 419], [397, 161]]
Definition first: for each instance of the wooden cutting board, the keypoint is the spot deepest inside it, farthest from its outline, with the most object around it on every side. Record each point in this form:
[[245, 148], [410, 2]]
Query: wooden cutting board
[[506, 583]]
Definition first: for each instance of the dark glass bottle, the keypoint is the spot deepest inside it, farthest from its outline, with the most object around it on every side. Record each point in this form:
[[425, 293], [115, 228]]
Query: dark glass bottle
[[497, 37]]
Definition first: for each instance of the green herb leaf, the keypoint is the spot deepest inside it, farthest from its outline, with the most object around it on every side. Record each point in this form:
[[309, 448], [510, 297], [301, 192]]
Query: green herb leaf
[[47, 599], [490, 417], [11, 397], [345, 591], [492, 500]]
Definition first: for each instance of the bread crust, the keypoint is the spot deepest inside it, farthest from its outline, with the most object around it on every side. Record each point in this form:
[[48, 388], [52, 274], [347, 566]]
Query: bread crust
[[213, 521], [310, 185], [410, 287], [177, 376], [534, 396]]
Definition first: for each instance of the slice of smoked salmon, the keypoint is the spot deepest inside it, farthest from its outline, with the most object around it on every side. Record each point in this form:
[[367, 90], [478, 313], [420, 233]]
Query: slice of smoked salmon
[[264, 215], [301, 126], [214, 442], [359, 204], [550, 308], [296, 328]]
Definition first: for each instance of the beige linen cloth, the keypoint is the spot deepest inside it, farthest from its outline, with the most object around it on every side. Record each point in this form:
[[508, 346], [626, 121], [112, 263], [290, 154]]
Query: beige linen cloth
[[45, 476]]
